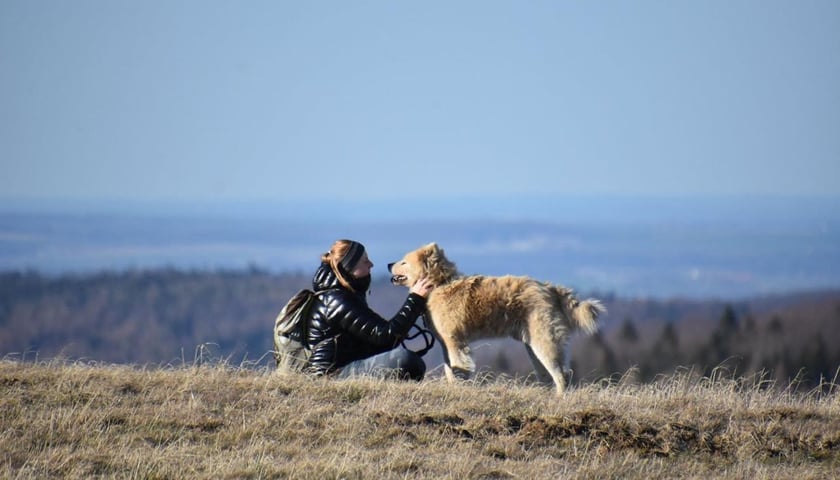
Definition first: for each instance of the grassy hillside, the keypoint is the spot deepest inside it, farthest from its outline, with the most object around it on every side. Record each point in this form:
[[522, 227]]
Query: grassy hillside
[[77, 420]]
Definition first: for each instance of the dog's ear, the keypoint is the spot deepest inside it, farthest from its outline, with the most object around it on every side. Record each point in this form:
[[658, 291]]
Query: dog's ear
[[431, 252], [437, 266]]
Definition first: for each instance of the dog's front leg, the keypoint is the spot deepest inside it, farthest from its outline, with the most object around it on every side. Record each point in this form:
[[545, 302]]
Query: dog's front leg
[[458, 362]]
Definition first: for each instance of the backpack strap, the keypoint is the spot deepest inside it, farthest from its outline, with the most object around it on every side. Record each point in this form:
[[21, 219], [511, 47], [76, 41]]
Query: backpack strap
[[305, 327], [316, 295]]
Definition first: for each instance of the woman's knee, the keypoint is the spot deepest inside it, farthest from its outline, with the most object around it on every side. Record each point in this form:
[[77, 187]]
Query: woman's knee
[[410, 363]]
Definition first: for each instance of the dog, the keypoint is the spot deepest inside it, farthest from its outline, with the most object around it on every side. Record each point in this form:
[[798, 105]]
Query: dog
[[465, 308]]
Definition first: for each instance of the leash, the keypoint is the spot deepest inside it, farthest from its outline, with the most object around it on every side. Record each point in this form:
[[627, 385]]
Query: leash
[[428, 338]]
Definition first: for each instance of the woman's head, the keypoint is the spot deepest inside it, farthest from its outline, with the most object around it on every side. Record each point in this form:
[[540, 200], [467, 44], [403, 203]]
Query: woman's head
[[350, 262]]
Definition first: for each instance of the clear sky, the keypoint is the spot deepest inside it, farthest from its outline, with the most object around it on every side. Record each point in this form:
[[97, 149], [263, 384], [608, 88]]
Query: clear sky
[[208, 99]]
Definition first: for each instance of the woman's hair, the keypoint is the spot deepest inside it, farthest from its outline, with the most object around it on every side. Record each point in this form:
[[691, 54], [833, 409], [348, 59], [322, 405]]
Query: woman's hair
[[338, 252]]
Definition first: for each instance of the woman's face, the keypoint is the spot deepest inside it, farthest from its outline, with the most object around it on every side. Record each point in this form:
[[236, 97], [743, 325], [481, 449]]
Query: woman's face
[[363, 267]]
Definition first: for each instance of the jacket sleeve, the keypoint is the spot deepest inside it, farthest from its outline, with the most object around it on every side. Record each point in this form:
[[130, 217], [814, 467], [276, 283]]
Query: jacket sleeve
[[356, 318]]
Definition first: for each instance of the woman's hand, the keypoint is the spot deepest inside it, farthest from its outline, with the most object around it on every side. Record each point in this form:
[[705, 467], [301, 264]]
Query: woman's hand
[[422, 287]]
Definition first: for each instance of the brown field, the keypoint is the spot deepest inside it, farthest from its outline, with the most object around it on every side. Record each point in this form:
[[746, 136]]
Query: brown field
[[77, 420]]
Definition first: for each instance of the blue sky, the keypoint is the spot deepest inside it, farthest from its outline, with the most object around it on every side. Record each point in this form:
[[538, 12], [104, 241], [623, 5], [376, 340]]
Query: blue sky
[[167, 100]]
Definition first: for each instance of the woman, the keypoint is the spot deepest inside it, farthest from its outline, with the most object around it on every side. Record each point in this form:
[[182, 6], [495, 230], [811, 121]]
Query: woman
[[347, 337]]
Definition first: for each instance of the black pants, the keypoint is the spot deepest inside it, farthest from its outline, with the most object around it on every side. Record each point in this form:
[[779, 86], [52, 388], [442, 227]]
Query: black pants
[[399, 363]]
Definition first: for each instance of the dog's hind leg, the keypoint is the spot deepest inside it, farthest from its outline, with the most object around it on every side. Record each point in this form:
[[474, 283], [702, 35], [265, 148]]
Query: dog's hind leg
[[542, 374], [550, 358]]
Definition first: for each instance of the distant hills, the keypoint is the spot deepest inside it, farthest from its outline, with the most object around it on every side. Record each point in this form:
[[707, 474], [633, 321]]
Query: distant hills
[[655, 247]]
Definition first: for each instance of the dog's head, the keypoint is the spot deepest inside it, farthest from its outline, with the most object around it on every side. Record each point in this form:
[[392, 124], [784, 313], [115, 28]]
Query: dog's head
[[427, 261]]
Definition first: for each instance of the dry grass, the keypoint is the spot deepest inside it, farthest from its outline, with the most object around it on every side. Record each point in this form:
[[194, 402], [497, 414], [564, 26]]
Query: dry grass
[[76, 420]]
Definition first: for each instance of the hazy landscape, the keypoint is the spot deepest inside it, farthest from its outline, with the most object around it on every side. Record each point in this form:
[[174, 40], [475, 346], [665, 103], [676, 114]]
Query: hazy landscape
[[687, 281], [659, 247]]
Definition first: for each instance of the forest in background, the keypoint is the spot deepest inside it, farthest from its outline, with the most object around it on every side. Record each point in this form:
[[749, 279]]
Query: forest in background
[[169, 316]]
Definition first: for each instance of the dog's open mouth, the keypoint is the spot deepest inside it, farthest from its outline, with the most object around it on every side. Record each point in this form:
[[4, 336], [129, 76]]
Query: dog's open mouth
[[398, 279]]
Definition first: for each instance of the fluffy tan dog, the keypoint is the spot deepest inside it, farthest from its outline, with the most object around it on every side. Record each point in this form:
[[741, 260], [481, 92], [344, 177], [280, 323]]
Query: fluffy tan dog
[[466, 308]]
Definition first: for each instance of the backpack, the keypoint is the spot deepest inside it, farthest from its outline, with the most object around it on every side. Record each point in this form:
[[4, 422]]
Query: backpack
[[291, 352]]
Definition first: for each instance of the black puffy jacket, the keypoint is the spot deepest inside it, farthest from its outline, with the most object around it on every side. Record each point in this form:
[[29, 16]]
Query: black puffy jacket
[[342, 328]]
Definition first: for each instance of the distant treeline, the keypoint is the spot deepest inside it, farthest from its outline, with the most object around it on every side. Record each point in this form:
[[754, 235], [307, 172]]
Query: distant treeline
[[168, 316]]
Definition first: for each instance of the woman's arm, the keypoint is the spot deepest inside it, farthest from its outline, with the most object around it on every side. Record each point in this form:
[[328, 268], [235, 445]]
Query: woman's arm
[[356, 318]]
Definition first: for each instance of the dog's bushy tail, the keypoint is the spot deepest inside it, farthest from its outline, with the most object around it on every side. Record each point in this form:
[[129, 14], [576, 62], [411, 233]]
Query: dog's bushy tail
[[584, 315]]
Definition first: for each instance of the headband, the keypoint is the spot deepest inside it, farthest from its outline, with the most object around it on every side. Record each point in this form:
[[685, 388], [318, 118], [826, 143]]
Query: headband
[[353, 255]]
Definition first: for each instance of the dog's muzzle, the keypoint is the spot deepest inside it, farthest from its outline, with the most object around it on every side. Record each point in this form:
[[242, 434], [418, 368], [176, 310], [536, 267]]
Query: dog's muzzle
[[396, 279]]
